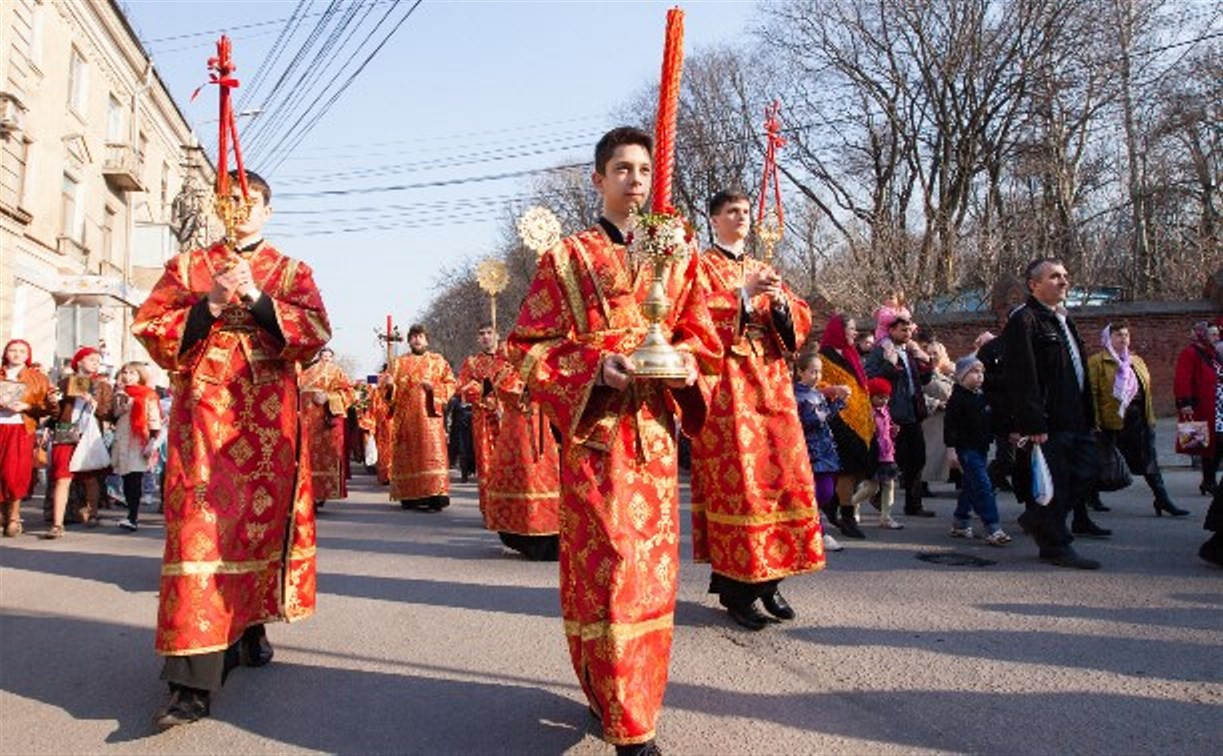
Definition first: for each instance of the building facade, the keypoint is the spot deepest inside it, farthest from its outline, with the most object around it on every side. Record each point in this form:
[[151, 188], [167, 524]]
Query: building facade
[[93, 152]]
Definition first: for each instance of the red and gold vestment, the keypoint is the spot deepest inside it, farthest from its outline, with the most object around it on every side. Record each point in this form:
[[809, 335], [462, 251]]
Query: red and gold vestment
[[239, 515], [619, 529], [485, 409], [323, 425], [419, 464], [380, 412], [523, 489], [754, 517]]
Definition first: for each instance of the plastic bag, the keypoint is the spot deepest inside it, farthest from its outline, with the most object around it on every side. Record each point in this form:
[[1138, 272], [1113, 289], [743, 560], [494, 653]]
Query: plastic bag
[[371, 451], [90, 452], [1192, 437], [1042, 479]]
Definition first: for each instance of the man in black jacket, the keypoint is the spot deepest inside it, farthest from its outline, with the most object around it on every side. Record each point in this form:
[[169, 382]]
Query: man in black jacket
[[1045, 369]]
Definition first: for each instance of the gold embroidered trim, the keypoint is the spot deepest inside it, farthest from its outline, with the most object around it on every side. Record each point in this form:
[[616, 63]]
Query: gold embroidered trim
[[421, 474], [594, 279], [618, 631], [564, 269], [509, 495], [760, 519], [180, 569]]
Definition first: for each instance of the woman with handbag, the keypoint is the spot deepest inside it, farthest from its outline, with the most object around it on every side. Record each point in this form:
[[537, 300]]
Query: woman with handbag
[[1198, 386], [26, 395], [1125, 410], [137, 435], [86, 401]]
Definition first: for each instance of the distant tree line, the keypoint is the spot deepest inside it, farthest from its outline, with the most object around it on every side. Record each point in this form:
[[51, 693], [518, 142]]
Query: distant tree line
[[936, 146]]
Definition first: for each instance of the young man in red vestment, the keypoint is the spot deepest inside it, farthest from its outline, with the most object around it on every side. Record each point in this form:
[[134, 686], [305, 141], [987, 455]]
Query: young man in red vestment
[[476, 387], [418, 388], [754, 517], [619, 518], [230, 327]]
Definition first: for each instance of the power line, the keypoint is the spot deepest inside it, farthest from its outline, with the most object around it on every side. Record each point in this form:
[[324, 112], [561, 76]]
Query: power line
[[228, 29], [430, 184]]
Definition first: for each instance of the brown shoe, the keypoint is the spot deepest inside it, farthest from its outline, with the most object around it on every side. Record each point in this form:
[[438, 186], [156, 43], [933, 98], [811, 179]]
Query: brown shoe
[[12, 529], [56, 531]]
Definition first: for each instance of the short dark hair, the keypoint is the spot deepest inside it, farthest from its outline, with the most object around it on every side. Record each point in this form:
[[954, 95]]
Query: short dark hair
[[806, 359], [1033, 269], [256, 182], [618, 137], [725, 197], [485, 325], [416, 329]]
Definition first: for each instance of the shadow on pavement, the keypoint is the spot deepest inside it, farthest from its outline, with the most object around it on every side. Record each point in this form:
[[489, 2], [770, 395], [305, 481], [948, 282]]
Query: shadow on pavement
[[1156, 659], [509, 599], [1196, 618], [1023, 723], [320, 708], [131, 573]]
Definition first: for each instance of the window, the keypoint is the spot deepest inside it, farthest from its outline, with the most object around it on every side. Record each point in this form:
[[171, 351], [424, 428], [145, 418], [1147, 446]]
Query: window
[[165, 189], [72, 225], [114, 121], [108, 235], [13, 170], [78, 75]]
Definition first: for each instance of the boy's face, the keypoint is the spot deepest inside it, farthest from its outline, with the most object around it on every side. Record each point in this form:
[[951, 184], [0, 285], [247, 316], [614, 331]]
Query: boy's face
[[879, 400], [733, 221], [810, 375], [259, 215], [487, 339], [974, 378], [625, 182]]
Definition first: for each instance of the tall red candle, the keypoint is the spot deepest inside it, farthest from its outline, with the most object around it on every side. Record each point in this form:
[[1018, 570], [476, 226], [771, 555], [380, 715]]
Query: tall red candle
[[668, 110]]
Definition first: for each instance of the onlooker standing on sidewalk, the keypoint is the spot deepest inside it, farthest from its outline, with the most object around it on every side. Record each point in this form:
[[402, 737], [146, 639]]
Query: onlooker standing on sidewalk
[[817, 404], [1050, 401], [1198, 386], [895, 358], [137, 431], [967, 433], [884, 481], [18, 416], [1125, 409]]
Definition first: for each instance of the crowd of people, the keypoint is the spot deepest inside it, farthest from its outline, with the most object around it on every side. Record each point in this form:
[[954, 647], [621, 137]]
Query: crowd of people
[[575, 455]]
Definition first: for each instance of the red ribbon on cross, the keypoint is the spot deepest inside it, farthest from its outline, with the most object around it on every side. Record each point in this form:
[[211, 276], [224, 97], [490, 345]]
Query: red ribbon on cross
[[774, 141], [221, 70]]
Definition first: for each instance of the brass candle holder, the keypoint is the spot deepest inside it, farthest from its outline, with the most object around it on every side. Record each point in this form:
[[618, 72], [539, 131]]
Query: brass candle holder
[[663, 239], [769, 230]]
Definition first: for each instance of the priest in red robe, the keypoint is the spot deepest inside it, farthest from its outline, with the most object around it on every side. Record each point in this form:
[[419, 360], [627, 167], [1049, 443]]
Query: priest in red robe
[[619, 518], [230, 327], [754, 517], [418, 388], [326, 396], [476, 377]]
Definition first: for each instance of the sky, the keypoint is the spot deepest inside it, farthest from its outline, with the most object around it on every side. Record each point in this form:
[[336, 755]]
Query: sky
[[462, 92]]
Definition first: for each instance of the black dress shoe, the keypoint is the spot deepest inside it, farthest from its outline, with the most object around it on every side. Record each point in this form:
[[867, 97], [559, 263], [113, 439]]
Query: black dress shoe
[[850, 529], [1066, 557], [1212, 550], [186, 705], [777, 606], [1090, 529], [406, 504], [1097, 506], [254, 648], [748, 617], [918, 512]]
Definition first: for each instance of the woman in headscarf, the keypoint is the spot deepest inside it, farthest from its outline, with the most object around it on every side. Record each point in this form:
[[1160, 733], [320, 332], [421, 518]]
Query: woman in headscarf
[[1121, 395], [853, 428], [26, 395], [76, 403], [1198, 387]]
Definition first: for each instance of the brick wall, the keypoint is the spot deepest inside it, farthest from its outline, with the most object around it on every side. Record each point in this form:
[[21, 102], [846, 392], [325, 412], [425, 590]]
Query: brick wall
[[1158, 330]]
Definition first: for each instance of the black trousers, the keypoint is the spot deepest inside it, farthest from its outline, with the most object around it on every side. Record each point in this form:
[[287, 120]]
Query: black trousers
[[1073, 463], [133, 487], [911, 458], [736, 593], [537, 548], [207, 671]]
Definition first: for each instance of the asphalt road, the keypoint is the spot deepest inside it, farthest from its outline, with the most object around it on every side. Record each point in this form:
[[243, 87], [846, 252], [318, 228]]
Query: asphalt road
[[431, 638]]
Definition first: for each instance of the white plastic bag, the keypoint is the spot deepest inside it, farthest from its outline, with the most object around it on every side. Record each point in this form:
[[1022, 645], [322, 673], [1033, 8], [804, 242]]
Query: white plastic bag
[[371, 451], [1042, 479], [90, 452]]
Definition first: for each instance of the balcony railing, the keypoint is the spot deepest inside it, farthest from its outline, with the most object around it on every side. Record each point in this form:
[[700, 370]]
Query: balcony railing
[[122, 167]]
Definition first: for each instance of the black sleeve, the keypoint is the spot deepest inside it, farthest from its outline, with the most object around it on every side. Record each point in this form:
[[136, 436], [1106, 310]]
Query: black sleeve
[[265, 315], [199, 323], [1022, 380], [951, 420], [783, 323]]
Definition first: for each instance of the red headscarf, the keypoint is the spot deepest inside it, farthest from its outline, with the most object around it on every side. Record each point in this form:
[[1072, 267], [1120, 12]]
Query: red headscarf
[[81, 354], [29, 352], [836, 338]]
